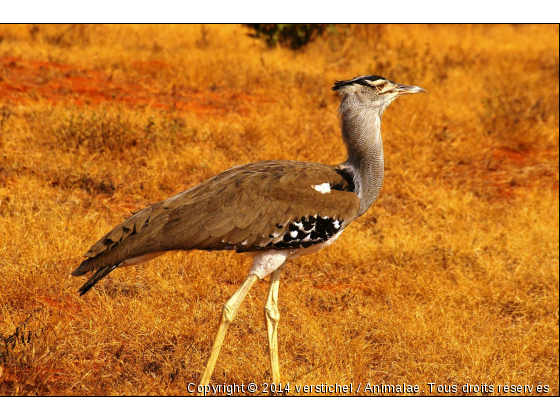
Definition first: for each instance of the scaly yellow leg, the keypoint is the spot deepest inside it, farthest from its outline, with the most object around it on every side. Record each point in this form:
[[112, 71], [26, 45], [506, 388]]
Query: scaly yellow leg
[[228, 315], [272, 315]]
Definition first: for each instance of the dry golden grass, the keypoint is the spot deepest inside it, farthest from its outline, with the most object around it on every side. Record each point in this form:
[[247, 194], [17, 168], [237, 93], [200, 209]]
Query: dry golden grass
[[450, 278]]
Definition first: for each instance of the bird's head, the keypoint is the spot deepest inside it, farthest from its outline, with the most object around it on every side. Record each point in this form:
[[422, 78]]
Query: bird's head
[[374, 91]]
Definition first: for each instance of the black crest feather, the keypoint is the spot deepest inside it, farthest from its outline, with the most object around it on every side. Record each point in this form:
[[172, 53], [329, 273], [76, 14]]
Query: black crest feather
[[361, 80]]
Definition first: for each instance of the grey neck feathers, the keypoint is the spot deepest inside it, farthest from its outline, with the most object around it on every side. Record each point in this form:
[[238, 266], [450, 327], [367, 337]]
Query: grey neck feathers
[[361, 131]]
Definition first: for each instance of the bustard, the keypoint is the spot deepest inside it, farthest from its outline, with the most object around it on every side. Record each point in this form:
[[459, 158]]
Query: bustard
[[275, 211]]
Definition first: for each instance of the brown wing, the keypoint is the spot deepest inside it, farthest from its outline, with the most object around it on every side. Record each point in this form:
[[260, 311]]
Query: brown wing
[[250, 207]]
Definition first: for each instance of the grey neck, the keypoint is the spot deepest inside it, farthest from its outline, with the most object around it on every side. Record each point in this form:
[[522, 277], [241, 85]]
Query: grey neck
[[361, 131]]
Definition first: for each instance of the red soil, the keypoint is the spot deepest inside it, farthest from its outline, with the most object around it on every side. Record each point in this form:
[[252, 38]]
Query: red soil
[[508, 173], [69, 307], [27, 81]]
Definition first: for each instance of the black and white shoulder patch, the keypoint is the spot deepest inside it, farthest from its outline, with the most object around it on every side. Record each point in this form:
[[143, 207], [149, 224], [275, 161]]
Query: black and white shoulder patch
[[305, 232]]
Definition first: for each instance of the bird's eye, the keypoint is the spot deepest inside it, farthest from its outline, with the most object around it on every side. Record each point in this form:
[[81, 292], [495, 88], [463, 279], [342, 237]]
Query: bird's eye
[[380, 86]]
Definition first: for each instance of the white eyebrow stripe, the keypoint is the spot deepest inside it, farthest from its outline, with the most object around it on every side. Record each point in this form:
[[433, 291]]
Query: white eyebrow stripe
[[375, 82]]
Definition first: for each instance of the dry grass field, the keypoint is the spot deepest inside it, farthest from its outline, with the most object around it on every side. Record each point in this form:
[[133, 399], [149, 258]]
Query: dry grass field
[[450, 278]]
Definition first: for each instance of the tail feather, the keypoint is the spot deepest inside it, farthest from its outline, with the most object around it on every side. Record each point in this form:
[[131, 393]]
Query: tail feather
[[82, 269], [99, 274]]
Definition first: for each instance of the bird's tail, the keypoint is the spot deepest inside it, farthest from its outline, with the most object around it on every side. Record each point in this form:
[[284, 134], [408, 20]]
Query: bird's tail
[[99, 274]]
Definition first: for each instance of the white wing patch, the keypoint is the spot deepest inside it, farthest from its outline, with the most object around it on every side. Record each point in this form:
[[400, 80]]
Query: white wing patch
[[324, 188]]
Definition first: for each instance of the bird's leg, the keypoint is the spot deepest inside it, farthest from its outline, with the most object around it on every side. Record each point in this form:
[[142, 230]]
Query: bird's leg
[[272, 315], [228, 315]]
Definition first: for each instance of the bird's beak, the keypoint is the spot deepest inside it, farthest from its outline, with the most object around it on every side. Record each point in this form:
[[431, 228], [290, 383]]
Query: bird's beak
[[404, 89]]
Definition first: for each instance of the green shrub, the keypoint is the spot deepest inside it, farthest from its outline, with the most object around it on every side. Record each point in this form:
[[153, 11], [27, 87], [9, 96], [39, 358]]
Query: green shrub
[[292, 35]]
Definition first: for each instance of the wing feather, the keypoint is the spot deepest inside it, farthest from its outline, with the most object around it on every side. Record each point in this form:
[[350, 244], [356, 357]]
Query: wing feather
[[244, 208]]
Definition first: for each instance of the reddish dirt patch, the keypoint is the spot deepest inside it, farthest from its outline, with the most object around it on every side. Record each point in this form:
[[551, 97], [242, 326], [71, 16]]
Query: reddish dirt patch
[[26, 81], [67, 307], [508, 173], [509, 156], [513, 172], [337, 287]]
